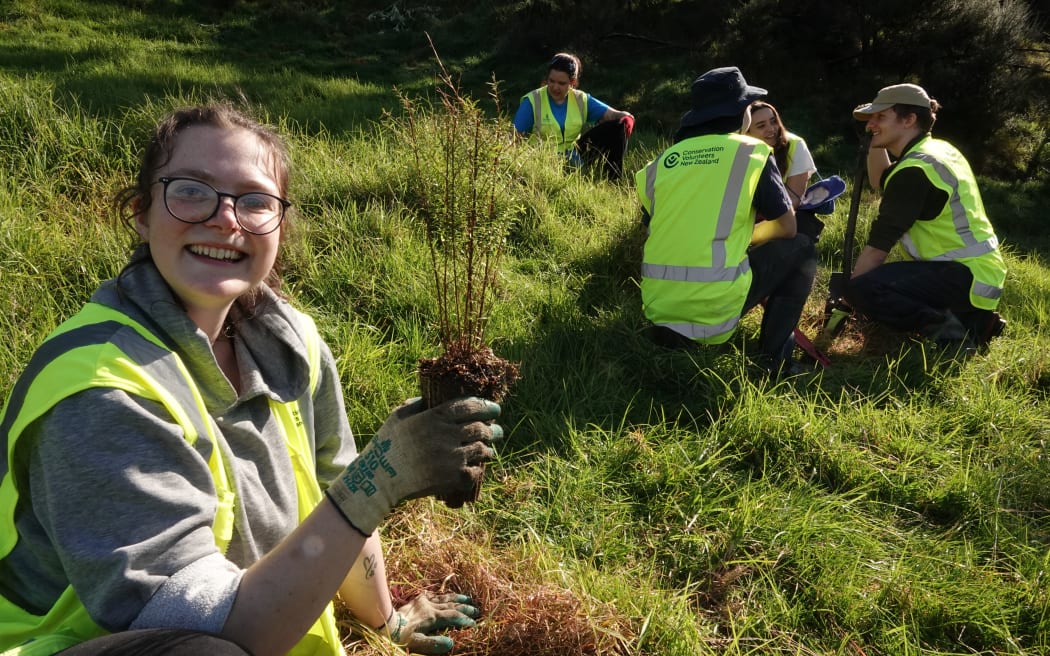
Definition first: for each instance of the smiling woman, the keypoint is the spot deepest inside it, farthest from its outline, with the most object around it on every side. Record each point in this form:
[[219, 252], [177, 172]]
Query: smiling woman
[[206, 255], [790, 150], [181, 472]]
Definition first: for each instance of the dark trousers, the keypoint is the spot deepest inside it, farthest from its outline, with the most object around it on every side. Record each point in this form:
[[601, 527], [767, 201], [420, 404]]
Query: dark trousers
[[157, 642], [809, 224], [603, 147], [782, 272], [913, 296]]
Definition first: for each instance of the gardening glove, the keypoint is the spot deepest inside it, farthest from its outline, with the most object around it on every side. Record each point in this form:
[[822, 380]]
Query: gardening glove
[[628, 125], [411, 625], [417, 453]]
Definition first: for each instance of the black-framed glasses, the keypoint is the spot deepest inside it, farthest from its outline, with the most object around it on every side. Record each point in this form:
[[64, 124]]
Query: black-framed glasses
[[193, 201]]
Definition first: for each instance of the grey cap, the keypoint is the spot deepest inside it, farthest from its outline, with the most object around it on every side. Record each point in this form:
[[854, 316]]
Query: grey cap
[[898, 94]]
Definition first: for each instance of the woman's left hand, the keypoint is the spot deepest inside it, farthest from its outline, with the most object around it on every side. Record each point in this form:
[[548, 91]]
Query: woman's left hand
[[412, 625], [628, 124]]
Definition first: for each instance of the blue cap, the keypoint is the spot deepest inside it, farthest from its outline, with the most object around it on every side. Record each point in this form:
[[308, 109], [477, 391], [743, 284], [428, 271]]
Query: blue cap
[[720, 92]]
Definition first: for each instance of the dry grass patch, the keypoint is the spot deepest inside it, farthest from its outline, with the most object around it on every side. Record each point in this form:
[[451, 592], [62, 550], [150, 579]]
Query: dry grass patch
[[527, 607]]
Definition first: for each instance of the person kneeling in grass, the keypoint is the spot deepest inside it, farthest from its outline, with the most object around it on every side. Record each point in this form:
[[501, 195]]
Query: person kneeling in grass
[[181, 476], [706, 261], [931, 205]]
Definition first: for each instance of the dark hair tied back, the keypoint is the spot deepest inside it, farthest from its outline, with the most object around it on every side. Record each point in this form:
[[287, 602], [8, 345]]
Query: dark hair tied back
[[566, 63]]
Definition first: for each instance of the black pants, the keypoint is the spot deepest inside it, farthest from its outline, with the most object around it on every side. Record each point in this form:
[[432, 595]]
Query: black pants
[[157, 642], [782, 272], [603, 147], [809, 224], [912, 296]]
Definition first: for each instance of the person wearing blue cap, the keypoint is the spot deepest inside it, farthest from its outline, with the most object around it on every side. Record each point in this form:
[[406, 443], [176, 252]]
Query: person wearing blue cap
[[706, 261], [931, 205]]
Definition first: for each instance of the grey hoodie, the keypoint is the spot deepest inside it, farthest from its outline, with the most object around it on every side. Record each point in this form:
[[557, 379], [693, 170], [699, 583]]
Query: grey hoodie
[[120, 505]]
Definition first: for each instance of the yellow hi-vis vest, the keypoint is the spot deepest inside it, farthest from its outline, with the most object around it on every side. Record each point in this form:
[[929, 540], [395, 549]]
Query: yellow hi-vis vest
[[103, 347], [962, 231], [546, 126], [792, 140], [695, 271]]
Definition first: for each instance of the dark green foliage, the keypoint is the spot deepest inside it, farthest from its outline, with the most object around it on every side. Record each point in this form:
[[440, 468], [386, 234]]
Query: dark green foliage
[[819, 61], [986, 61]]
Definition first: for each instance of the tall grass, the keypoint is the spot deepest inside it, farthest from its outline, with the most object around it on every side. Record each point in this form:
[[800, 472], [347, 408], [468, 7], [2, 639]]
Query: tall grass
[[644, 501]]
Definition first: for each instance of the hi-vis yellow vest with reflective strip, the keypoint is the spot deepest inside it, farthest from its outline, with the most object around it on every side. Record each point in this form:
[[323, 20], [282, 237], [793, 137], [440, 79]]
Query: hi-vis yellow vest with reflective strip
[[962, 231], [792, 140], [695, 271], [102, 347], [544, 123]]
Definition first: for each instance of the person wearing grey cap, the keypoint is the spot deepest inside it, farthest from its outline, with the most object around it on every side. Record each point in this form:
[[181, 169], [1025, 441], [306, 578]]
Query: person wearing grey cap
[[950, 287], [706, 261]]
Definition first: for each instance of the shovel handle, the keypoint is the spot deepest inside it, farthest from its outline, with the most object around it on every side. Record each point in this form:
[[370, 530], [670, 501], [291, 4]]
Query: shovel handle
[[854, 205], [836, 310]]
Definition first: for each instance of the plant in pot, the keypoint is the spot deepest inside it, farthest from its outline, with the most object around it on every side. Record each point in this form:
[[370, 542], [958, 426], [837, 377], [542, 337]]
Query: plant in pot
[[459, 188]]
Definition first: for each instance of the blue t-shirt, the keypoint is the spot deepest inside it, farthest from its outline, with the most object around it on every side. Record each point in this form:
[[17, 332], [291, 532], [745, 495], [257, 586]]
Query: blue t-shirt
[[524, 119]]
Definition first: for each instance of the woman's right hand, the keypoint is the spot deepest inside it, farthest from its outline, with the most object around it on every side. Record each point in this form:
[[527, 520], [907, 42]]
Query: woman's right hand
[[417, 453], [412, 626]]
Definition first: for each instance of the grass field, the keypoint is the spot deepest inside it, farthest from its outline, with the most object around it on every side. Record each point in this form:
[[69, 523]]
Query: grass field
[[644, 501]]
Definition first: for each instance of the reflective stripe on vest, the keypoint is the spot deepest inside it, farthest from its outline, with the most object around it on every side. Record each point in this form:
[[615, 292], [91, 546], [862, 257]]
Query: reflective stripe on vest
[[695, 274], [700, 332], [962, 232], [546, 126], [695, 271], [102, 347]]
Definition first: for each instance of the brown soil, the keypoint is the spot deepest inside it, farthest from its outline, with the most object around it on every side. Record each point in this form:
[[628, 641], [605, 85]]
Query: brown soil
[[463, 371]]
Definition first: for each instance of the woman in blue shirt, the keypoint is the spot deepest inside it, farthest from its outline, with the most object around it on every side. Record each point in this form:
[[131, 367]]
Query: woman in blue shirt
[[560, 112]]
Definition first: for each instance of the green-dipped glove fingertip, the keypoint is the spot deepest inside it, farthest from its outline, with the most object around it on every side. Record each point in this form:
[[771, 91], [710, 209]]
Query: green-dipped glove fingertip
[[475, 408], [464, 622], [424, 644]]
